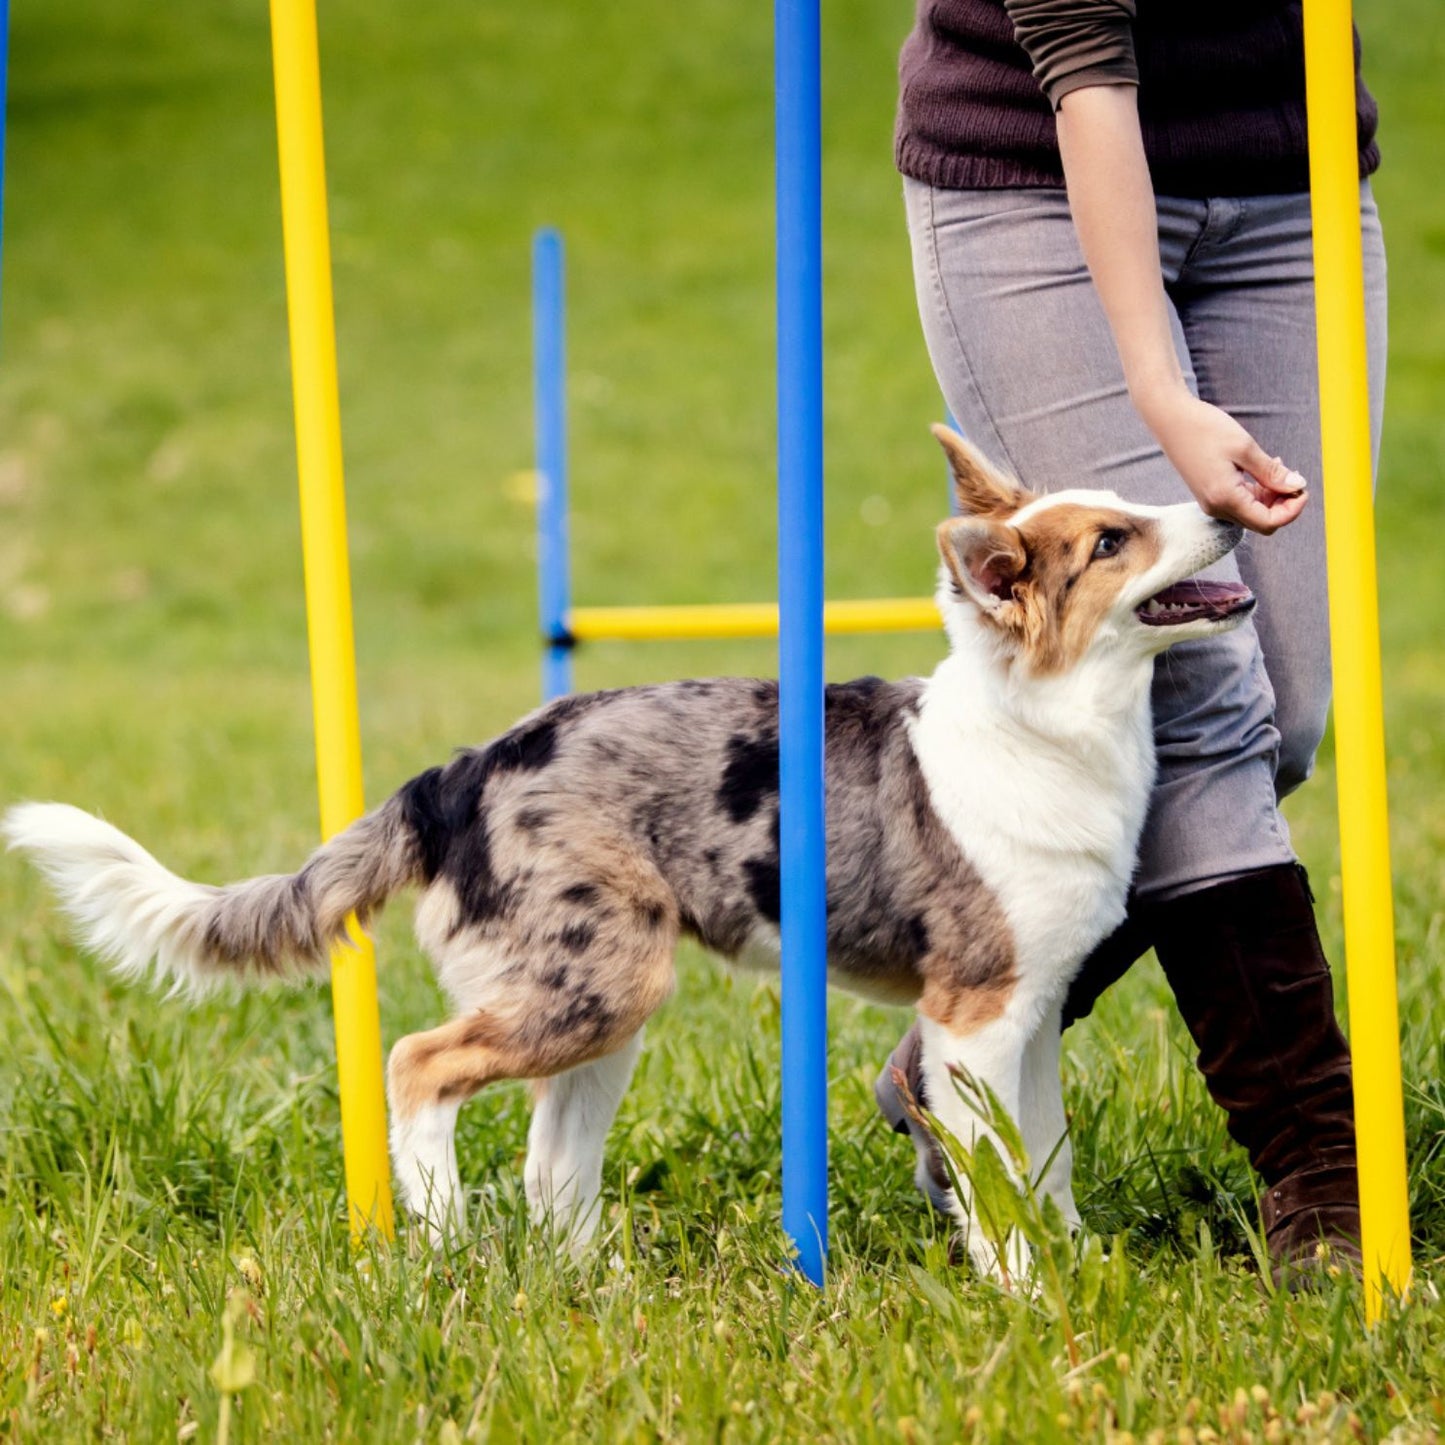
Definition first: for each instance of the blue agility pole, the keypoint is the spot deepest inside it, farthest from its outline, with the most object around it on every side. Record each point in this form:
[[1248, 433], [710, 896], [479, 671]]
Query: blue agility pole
[[800, 644], [549, 394], [4, 96]]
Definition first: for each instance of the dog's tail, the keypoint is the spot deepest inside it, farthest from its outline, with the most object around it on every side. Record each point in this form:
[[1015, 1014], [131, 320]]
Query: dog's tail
[[135, 913]]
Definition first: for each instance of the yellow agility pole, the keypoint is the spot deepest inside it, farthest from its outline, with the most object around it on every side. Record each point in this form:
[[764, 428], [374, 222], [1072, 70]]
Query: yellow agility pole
[[1355, 645], [328, 586], [746, 619]]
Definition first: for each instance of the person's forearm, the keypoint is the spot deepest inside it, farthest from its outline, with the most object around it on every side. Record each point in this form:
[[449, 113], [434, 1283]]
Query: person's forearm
[[1112, 201]]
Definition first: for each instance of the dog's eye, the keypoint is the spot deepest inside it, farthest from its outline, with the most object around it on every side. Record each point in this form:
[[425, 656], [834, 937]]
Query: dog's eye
[[1108, 544]]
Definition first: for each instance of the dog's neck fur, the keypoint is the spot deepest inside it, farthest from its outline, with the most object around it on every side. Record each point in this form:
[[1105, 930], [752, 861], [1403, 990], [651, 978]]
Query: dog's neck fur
[[1042, 780]]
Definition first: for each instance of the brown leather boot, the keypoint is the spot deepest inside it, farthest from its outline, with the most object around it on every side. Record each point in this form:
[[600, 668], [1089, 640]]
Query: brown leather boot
[[1253, 986]]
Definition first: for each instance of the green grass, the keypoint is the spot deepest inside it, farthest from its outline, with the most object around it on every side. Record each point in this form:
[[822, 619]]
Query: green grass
[[172, 1175]]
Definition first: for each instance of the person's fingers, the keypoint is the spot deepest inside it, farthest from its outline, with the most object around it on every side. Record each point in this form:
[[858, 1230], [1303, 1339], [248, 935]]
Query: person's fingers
[[1264, 514], [1256, 461], [1269, 472], [1284, 482], [1253, 506]]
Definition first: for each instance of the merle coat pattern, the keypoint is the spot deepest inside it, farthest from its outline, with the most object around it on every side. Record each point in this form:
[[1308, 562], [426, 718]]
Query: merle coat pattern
[[981, 831], [682, 778]]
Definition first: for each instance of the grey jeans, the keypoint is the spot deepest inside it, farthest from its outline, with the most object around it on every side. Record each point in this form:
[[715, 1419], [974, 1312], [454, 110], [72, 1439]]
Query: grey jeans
[[1027, 365]]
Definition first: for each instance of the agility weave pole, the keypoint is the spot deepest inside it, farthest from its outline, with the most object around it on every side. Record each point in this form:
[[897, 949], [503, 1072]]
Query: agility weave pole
[[798, 146], [328, 588], [549, 394], [4, 96], [797, 619], [1355, 647]]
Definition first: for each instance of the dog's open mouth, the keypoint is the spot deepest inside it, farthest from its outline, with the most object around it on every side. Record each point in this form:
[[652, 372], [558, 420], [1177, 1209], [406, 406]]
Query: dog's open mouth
[[1195, 601]]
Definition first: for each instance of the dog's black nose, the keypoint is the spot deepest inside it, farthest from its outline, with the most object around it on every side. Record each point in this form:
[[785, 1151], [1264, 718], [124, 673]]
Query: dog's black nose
[[1230, 529]]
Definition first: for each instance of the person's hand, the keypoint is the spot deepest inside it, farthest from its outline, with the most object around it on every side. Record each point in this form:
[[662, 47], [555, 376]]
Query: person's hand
[[1230, 474]]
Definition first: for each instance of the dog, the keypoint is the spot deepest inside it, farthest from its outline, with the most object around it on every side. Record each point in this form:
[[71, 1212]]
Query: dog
[[981, 830]]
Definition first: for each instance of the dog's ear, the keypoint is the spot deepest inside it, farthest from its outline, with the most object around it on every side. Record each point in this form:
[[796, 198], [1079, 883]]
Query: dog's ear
[[984, 557], [981, 489]]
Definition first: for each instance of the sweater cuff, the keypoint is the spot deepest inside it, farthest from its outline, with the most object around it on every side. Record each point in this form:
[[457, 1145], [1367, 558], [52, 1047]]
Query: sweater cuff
[[1073, 43], [1119, 72]]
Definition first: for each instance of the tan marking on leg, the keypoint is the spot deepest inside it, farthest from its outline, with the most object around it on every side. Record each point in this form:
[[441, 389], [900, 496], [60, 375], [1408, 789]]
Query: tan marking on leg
[[445, 1064], [532, 1032], [965, 1008]]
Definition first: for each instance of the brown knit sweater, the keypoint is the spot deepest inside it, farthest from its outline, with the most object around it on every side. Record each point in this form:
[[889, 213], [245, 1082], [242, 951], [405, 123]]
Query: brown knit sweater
[[1221, 91]]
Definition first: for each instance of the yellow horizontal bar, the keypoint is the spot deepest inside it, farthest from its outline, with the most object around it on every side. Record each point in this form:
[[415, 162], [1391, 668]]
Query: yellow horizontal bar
[[747, 619]]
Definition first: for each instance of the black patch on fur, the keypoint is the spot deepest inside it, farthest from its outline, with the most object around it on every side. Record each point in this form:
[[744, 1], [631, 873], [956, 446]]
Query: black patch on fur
[[481, 895], [426, 817], [586, 1014], [750, 775], [765, 887], [583, 893], [651, 914], [443, 802], [444, 809], [577, 937], [556, 977], [915, 933], [526, 749]]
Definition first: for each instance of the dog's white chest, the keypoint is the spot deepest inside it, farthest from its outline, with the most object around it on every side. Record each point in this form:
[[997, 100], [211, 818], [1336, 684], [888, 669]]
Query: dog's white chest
[[1051, 838]]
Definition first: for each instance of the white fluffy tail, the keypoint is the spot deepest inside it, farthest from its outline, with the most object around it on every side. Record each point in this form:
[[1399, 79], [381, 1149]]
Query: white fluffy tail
[[136, 914]]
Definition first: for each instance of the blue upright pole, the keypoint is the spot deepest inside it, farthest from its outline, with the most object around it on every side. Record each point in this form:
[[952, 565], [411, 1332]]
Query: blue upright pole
[[4, 95], [800, 648], [549, 399]]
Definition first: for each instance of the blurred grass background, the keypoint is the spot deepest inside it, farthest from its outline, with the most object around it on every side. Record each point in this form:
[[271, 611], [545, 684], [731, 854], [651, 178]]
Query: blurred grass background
[[153, 668]]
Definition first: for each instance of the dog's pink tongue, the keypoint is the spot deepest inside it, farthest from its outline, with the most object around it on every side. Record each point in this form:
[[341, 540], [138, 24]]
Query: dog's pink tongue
[[1195, 593]]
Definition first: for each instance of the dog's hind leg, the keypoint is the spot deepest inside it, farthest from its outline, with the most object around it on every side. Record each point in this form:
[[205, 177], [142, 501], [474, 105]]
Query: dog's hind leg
[[429, 1076], [557, 997], [574, 1111]]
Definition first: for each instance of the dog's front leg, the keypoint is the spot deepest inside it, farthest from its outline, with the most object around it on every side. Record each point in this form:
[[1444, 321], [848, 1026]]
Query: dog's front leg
[[990, 1055], [1042, 1121]]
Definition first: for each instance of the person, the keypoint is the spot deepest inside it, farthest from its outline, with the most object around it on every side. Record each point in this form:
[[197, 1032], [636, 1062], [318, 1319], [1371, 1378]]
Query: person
[[1109, 215]]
